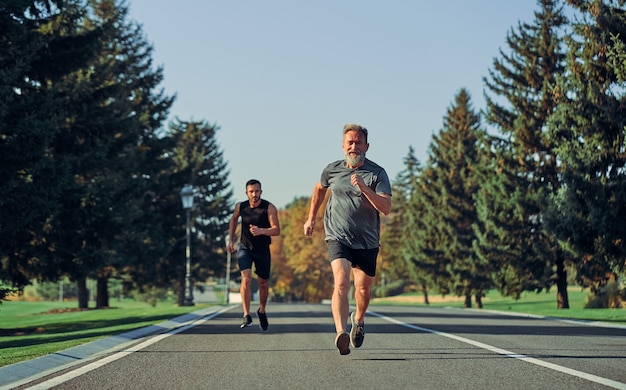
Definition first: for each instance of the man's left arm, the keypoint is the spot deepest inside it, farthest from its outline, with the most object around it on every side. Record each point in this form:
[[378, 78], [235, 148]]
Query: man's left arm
[[380, 201], [272, 214]]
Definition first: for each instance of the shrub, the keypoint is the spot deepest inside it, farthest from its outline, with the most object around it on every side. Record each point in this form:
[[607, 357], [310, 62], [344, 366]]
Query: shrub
[[608, 297], [388, 290]]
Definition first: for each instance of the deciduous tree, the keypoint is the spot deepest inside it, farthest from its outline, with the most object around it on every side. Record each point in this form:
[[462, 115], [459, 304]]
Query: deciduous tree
[[307, 256]]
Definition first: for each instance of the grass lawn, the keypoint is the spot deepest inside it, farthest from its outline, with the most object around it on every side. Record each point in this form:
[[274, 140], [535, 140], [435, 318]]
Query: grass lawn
[[543, 304], [32, 329]]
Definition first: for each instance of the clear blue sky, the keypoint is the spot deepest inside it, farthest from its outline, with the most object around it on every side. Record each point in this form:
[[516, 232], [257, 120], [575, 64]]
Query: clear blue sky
[[281, 78]]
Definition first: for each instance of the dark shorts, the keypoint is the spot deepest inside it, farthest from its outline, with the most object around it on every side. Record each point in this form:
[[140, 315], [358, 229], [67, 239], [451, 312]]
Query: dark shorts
[[260, 258], [365, 259]]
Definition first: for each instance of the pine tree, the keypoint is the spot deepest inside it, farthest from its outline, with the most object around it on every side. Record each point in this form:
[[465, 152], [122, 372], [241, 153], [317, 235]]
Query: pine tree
[[424, 238], [456, 156], [40, 43], [187, 153], [443, 212], [524, 169], [112, 103], [393, 264], [588, 130], [199, 158], [505, 238]]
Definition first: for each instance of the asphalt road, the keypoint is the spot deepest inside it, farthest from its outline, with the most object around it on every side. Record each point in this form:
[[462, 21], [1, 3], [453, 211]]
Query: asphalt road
[[404, 348]]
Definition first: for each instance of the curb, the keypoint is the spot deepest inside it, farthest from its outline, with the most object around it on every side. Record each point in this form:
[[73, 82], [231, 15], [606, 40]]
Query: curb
[[20, 373]]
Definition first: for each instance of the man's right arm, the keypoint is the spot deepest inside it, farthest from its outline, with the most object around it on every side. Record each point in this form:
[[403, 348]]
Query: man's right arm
[[232, 227], [317, 198]]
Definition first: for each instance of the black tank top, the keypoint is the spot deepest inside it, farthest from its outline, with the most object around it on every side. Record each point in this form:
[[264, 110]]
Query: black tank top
[[254, 216]]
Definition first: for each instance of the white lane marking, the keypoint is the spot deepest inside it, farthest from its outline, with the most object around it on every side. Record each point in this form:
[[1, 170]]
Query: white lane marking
[[590, 377], [101, 362]]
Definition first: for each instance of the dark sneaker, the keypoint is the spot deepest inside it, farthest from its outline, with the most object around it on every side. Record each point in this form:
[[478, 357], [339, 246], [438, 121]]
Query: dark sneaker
[[357, 333], [247, 321], [342, 342], [263, 324]]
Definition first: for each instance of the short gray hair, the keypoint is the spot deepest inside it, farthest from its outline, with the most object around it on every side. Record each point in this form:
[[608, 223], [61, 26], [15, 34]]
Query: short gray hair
[[355, 127]]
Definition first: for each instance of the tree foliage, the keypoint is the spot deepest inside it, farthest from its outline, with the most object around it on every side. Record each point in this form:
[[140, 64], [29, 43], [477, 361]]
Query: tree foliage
[[588, 130], [98, 189], [112, 103], [307, 256], [520, 170], [40, 43], [90, 177], [442, 210], [391, 260]]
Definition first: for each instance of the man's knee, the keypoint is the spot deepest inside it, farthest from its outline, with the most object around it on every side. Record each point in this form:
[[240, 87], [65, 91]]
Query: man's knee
[[363, 289], [363, 283], [246, 280], [342, 284]]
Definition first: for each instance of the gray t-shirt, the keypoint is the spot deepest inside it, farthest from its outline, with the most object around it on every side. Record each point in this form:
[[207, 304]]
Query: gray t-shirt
[[350, 218]]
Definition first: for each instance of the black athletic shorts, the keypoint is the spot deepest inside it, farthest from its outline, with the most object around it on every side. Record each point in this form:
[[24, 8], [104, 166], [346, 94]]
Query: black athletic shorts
[[260, 258], [365, 259]]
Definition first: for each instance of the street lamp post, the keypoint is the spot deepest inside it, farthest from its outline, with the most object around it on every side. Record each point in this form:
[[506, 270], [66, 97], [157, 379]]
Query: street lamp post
[[227, 271], [186, 194]]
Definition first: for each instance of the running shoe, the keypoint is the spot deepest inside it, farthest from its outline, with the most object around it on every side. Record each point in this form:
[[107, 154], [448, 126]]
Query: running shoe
[[247, 321], [357, 333], [263, 324], [342, 342]]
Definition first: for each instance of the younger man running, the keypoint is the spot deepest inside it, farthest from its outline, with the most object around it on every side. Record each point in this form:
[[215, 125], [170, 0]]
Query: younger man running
[[259, 221]]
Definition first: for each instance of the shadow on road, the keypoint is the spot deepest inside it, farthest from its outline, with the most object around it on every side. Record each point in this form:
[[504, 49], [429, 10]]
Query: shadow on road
[[456, 321]]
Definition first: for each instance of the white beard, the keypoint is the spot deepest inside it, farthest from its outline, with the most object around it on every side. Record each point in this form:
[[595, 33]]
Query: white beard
[[353, 161]]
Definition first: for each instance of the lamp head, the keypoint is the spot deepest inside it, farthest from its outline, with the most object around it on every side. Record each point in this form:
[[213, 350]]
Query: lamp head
[[186, 194]]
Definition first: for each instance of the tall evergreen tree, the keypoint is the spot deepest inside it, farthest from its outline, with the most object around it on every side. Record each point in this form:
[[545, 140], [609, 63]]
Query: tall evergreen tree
[[188, 153], [112, 103], [457, 159], [199, 158], [524, 171], [588, 130], [442, 211], [505, 238], [395, 226], [155, 232], [41, 42], [425, 239]]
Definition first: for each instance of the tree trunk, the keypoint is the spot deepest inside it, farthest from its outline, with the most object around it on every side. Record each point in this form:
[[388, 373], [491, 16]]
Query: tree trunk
[[425, 292], [468, 301], [479, 300], [181, 294], [82, 292], [562, 301], [102, 292]]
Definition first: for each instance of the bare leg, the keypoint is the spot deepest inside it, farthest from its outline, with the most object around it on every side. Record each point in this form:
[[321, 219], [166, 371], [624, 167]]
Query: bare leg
[[362, 293], [245, 291], [339, 302], [263, 292]]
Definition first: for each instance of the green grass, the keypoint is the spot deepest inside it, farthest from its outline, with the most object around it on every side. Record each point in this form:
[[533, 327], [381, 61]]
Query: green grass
[[543, 304], [32, 329]]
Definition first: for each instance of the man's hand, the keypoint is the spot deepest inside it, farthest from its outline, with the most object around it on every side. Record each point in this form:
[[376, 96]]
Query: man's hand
[[309, 225], [357, 181], [255, 230]]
